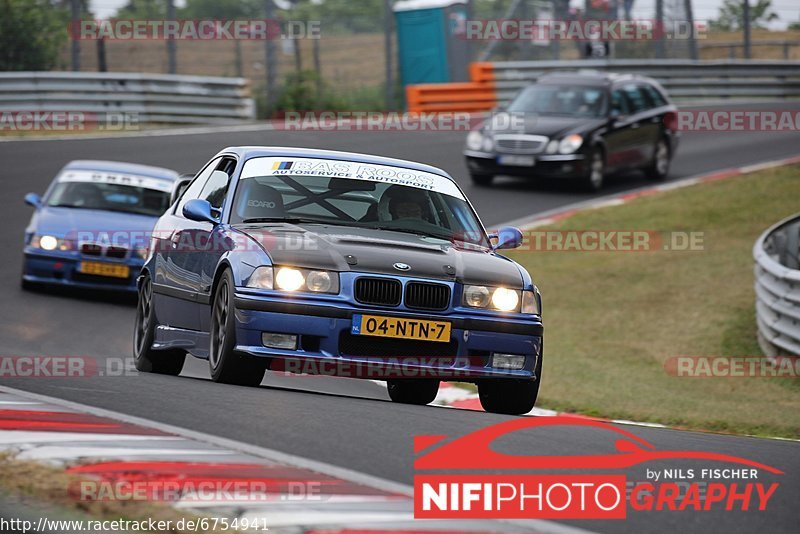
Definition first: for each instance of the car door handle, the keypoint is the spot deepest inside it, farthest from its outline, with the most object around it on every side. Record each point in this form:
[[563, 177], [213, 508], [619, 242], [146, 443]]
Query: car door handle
[[634, 125]]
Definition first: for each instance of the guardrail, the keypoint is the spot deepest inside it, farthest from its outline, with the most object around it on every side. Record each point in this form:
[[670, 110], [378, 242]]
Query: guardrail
[[154, 98], [777, 285], [685, 80]]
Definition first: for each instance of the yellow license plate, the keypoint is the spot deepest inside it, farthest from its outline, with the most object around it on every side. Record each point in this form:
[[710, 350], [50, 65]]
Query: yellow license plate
[[104, 269], [375, 325]]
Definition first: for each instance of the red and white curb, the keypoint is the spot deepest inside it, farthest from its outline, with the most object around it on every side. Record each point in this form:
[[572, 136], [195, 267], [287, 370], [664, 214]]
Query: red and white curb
[[212, 476]]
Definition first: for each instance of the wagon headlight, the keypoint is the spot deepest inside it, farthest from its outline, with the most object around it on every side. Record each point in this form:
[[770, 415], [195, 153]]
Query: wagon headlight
[[570, 144], [48, 242], [294, 279], [474, 140], [493, 298]]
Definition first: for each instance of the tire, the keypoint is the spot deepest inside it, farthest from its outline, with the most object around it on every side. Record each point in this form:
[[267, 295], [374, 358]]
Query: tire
[[594, 176], [413, 391], [481, 179], [659, 167], [511, 396], [147, 360], [228, 366]]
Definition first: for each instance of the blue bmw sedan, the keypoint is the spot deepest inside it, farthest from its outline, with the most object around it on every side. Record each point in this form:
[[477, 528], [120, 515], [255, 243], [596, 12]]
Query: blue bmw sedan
[[92, 227], [311, 261]]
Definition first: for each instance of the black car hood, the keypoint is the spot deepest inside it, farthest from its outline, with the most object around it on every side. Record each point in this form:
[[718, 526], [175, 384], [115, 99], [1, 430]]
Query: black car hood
[[341, 249], [549, 125]]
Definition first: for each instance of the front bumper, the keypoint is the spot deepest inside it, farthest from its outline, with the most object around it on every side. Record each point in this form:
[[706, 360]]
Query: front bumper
[[61, 269], [545, 166], [326, 345]]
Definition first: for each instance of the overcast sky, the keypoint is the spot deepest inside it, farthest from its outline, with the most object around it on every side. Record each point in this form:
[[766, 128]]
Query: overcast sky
[[788, 10]]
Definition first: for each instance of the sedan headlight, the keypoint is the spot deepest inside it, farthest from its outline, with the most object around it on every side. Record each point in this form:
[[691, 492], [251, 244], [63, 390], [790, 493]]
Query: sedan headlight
[[294, 279], [493, 298], [48, 242], [570, 144]]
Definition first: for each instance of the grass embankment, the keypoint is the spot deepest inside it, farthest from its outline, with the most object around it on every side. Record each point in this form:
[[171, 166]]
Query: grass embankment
[[612, 319]]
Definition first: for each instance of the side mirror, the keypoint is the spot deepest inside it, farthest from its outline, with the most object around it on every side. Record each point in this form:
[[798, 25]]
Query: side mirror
[[179, 186], [199, 210], [616, 116], [508, 237], [33, 199]]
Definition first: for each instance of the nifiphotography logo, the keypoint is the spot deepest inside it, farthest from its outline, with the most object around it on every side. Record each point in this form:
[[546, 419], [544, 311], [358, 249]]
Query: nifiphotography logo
[[467, 478]]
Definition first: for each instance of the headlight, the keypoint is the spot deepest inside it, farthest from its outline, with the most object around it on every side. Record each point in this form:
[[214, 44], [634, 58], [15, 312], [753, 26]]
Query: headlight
[[488, 144], [294, 279], [474, 140], [48, 242], [570, 144], [505, 299], [552, 147], [494, 298], [289, 279], [319, 281], [476, 296]]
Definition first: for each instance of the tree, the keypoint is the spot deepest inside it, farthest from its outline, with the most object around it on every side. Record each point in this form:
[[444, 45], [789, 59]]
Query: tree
[[31, 34], [731, 15]]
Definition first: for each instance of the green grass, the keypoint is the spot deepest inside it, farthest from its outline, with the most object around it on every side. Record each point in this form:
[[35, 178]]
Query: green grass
[[613, 318]]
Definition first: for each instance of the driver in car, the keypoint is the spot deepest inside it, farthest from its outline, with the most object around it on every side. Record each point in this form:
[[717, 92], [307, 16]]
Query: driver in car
[[407, 203]]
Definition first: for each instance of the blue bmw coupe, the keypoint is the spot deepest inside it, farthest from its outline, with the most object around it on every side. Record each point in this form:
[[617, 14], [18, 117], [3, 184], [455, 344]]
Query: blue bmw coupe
[[312, 261], [92, 227]]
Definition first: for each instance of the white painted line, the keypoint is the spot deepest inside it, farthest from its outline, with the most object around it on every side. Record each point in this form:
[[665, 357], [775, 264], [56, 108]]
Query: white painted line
[[12, 437], [72, 453]]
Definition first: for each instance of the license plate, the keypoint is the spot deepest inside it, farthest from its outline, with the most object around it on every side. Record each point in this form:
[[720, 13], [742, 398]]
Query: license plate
[[374, 325], [96, 268], [519, 161]]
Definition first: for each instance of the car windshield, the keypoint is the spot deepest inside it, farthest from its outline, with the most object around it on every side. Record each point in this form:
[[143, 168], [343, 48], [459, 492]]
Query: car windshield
[[357, 195], [98, 191], [566, 100]]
